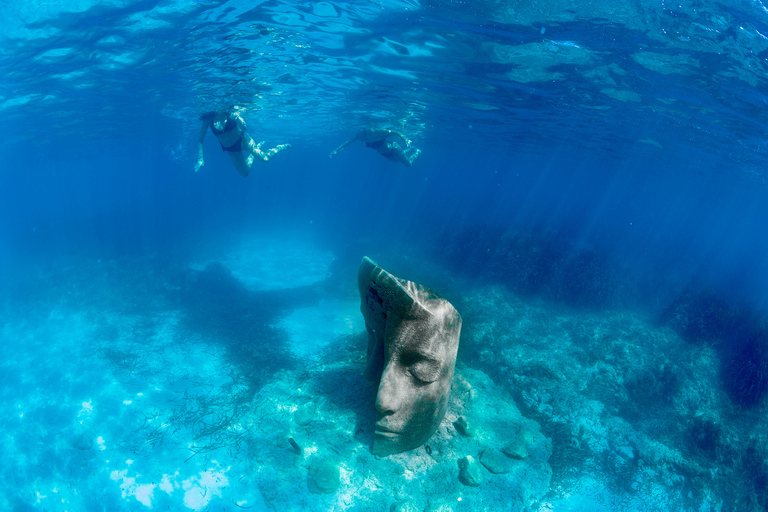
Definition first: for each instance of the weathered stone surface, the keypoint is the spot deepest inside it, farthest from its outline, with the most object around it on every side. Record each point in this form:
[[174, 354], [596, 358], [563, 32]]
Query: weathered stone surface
[[470, 472], [518, 448], [323, 476], [462, 427], [495, 461], [305, 414], [413, 337]]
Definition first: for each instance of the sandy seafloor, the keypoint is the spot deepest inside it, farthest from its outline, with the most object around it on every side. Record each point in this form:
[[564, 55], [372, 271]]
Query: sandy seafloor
[[138, 385]]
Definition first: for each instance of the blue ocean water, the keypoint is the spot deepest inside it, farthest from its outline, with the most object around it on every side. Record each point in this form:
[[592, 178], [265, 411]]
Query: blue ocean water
[[591, 195]]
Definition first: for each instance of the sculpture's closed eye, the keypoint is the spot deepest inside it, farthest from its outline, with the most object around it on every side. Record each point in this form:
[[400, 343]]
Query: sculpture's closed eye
[[425, 370]]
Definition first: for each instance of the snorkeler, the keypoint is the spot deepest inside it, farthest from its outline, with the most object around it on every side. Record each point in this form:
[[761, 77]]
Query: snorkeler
[[377, 138], [230, 130]]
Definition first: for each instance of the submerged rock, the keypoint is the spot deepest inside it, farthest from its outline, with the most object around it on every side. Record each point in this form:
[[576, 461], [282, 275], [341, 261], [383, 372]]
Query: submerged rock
[[469, 472], [324, 476], [518, 448], [495, 461], [462, 427], [404, 506]]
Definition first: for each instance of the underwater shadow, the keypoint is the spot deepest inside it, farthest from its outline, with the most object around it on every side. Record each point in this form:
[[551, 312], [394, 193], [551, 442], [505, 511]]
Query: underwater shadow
[[734, 329], [339, 379], [541, 263], [217, 305]]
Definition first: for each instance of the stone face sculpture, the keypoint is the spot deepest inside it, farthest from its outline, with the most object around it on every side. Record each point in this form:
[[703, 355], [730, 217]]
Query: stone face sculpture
[[413, 337]]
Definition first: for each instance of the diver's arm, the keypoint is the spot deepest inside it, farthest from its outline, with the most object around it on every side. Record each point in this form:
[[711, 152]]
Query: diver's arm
[[203, 130], [347, 143], [240, 121]]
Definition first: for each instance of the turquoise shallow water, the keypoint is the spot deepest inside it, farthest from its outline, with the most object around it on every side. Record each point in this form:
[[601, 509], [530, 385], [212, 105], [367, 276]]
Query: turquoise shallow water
[[590, 196], [143, 384]]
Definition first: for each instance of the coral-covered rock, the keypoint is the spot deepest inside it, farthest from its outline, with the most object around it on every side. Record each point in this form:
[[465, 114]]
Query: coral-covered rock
[[323, 476]]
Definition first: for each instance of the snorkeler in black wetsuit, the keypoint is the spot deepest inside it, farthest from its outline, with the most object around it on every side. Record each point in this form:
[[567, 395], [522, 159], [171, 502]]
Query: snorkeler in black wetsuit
[[382, 140], [230, 130]]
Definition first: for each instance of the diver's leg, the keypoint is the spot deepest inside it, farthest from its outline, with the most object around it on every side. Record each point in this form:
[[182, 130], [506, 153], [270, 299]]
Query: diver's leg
[[255, 150], [275, 150], [242, 165], [396, 154], [414, 155]]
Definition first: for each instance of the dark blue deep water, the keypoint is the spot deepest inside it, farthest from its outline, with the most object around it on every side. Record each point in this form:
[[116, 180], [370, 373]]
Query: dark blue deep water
[[591, 195]]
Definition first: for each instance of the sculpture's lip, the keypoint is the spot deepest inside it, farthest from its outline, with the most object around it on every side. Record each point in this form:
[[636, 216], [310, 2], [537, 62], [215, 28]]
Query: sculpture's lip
[[384, 431]]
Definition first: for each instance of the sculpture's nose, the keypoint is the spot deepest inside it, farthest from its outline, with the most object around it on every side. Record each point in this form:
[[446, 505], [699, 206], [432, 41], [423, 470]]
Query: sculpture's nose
[[390, 395]]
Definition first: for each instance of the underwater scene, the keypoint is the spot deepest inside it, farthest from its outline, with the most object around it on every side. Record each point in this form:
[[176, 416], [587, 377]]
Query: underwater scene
[[384, 255]]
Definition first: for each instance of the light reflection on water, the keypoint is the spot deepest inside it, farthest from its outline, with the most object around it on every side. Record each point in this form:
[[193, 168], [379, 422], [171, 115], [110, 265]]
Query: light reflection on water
[[303, 70]]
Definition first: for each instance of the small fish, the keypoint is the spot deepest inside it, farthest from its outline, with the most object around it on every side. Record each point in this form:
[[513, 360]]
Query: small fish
[[295, 445], [429, 449]]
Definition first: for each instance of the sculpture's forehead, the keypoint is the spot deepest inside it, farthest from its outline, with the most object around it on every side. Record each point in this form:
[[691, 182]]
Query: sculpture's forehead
[[411, 337]]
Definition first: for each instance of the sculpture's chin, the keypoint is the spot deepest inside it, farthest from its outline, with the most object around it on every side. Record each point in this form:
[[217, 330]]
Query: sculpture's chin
[[389, 443]]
